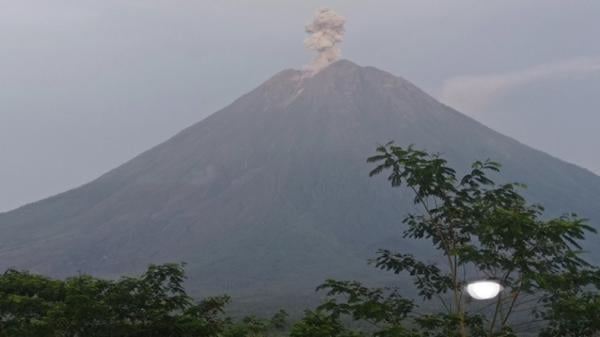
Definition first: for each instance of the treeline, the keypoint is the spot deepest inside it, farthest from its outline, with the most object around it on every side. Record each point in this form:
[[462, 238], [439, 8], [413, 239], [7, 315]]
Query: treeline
[[152, 305]]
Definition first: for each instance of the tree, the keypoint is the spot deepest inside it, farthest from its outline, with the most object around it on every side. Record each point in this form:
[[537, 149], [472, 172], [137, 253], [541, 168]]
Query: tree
[[321, 323], [154, 304], [26, 302], [257, 327], [482, 230]]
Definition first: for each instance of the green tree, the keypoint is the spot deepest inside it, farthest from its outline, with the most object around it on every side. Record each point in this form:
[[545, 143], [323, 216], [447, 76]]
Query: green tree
[[252, 326], [322, 323], [482, 230], [154, 304], [26, 302]]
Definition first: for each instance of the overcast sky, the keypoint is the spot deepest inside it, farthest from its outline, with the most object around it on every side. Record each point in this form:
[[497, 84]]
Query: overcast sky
[[86, 85]]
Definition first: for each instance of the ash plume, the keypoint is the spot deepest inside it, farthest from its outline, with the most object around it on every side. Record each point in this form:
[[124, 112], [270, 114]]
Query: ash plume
[[326, 30]]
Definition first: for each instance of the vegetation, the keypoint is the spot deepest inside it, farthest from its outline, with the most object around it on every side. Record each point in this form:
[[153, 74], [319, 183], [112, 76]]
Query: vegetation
[[481, 229], [153, 305]]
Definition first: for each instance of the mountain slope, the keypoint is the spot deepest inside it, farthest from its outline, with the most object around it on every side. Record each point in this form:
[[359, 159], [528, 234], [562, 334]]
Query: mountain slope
[[270, 195]]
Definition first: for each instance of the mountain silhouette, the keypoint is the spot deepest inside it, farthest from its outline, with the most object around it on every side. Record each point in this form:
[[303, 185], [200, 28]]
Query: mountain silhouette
[[270, 196]]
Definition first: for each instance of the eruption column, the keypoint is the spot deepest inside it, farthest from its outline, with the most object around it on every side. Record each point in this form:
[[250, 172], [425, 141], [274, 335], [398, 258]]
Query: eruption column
[[325, 31]]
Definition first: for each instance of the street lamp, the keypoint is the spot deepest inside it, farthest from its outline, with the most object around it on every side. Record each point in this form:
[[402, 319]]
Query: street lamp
[[484, 289]]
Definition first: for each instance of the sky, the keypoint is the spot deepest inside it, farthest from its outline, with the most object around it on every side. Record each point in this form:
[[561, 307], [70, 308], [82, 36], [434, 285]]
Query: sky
[[87, 85]]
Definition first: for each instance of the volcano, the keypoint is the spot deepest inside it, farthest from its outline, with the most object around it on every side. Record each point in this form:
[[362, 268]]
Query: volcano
[[270, 196]]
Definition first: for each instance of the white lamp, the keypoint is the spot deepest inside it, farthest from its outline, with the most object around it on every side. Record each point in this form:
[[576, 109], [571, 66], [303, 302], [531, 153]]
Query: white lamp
[[484, 289]]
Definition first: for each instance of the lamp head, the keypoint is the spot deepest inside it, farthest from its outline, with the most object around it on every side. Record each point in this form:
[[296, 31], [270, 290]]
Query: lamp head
[[484, 289]]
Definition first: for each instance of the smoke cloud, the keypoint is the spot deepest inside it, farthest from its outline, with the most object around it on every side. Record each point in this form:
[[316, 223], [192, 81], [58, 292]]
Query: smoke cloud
[[325, 31]]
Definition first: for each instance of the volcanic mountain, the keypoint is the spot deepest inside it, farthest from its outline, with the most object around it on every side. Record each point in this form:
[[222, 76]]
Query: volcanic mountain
[[271, 195]]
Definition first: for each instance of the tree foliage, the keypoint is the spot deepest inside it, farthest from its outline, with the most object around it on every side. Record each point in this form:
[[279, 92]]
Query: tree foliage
[[483, 230], [154, 304]]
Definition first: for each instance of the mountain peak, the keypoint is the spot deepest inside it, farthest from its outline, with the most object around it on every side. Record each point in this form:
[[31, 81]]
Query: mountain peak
[[343, 64], [346, 68], [342, 75], [272, 192]]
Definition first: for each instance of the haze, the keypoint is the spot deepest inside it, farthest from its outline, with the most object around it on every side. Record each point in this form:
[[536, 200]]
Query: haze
[[87, 85]]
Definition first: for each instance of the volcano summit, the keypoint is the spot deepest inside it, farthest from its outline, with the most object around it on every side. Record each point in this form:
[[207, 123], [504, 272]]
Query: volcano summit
[[270, 196]]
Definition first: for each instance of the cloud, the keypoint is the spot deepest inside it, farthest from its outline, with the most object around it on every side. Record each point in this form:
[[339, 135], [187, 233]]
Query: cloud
[[473, 93]]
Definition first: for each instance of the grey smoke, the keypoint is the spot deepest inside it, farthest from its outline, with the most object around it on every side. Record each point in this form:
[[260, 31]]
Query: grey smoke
[[326, 31]]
